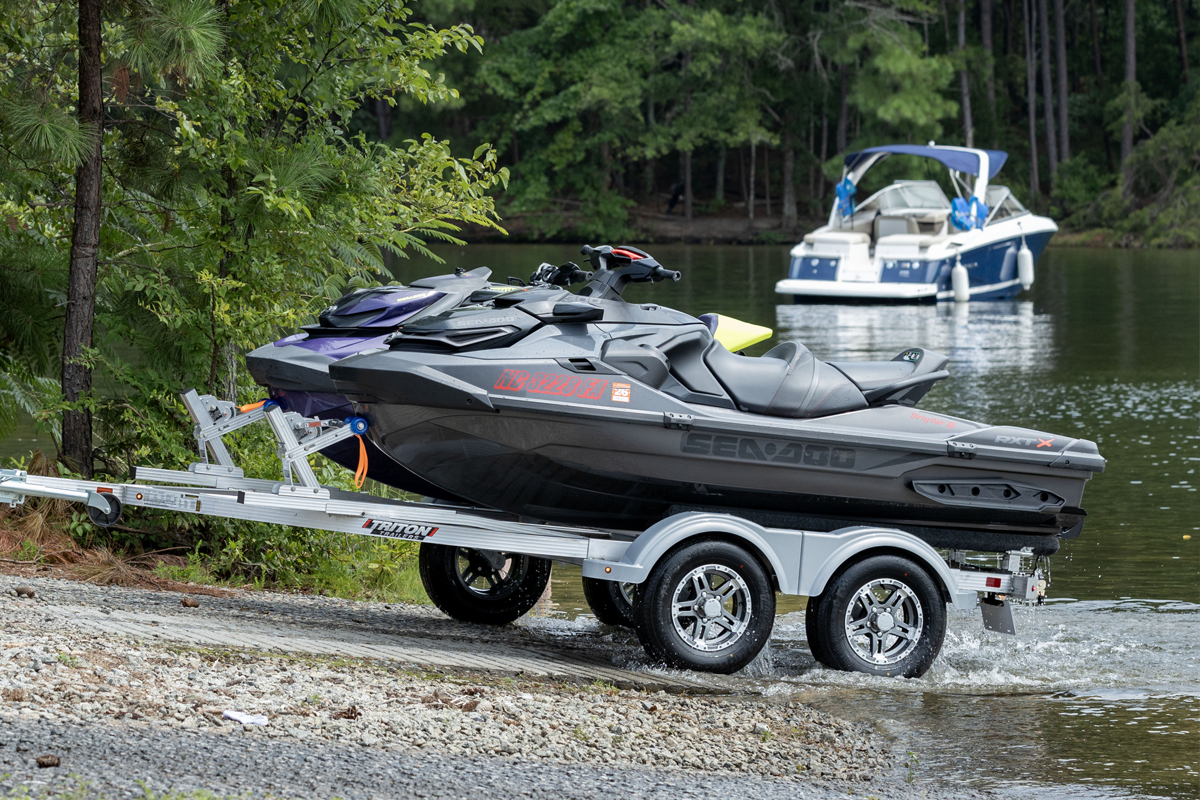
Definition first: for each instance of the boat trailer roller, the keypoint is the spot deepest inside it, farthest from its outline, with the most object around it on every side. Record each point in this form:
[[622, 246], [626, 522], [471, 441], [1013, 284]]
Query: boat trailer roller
[[697, 587]]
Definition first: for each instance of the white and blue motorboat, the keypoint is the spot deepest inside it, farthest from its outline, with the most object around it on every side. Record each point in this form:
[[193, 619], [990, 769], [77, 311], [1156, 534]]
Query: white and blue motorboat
[[910, 242]]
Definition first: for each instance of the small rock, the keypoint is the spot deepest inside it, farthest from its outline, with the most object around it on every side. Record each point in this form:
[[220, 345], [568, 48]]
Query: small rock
[[760, 728], [188, 602], [47, 761], [348, 713], [25, 591], [484, 707]]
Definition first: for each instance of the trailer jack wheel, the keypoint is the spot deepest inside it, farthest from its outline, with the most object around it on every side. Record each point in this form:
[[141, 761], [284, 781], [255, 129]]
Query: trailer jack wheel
[[610, 601], [708, 606], [482, 586], [883, 616], [109, 514]]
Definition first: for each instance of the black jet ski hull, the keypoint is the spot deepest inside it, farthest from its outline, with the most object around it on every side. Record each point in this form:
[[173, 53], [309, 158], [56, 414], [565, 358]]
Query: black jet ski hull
[[627, 463]]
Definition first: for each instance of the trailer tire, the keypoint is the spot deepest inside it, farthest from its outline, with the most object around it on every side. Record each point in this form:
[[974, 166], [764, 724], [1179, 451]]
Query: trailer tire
[[609, 601], [812, 631], [883, 616], [482, 586], [708, 606]]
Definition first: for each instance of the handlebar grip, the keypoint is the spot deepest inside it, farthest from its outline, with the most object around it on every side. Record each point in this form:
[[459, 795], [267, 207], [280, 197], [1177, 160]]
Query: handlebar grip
[[662, 274], [586, 250]]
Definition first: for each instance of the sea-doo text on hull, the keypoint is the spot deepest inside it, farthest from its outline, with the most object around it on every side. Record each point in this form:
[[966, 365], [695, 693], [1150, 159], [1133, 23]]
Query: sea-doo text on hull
[[589, 410]]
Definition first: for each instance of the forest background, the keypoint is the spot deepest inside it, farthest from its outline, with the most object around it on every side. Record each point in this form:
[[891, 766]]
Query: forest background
[[605, 110], [183, 180]]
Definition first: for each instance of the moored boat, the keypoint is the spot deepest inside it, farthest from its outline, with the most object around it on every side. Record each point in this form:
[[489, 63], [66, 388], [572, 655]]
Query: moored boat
[[910, 242]]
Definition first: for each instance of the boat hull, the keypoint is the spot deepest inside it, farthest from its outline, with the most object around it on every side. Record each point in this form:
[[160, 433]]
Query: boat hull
[[991, 269], [615, 463], [298, 379]]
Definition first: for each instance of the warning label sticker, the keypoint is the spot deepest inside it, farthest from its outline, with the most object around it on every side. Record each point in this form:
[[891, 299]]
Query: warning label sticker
[[620, 392]]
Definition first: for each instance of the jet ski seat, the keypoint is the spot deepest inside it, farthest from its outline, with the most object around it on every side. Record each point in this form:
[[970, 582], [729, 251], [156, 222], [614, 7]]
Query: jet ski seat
[[789, 381]]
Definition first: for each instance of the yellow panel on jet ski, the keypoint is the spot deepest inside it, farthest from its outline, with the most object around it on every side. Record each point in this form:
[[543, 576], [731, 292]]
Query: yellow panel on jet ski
[[737, 335]]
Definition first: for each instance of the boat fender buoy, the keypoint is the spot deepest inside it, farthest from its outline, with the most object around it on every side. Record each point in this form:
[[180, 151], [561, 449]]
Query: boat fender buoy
[[960, 282], [1025, 265]]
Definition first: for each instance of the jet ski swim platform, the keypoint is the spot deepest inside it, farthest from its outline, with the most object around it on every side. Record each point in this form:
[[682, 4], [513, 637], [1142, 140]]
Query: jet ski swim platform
[[697, 586]]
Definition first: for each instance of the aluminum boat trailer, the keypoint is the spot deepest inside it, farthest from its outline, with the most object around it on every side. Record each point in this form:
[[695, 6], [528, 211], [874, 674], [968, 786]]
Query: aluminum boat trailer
[[698, 588]]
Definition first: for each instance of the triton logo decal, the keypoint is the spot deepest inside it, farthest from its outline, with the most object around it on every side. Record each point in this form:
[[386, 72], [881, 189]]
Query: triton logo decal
[[752, 449], [409, 531], [518, 380]]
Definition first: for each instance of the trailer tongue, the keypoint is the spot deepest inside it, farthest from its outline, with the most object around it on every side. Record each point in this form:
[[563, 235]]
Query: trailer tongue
[[697, 587]]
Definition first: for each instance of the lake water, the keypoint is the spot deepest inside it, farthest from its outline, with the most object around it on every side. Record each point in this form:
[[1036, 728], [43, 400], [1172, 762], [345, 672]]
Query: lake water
[[1098, 696]]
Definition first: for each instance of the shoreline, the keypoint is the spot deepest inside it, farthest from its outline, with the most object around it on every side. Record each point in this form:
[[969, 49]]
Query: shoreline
[[72, 685], [650, 227]]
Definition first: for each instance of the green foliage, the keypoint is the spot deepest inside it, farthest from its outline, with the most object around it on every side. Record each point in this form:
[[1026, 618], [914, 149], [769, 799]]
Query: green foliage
[[1156, 202], [236, 203]]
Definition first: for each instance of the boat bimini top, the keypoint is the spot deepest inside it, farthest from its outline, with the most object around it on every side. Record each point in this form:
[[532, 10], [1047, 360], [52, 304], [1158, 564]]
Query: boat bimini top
[[970, 171]]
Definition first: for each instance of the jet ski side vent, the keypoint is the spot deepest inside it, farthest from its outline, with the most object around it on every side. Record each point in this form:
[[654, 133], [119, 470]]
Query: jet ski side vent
[[989, 494]]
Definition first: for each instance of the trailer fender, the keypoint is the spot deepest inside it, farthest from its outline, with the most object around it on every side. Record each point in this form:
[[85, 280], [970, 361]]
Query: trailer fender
[[778, 549], [826, 553]]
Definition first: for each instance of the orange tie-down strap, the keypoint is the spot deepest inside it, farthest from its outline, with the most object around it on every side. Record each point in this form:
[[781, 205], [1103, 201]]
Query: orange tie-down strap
[[360, 474], [250, 407]]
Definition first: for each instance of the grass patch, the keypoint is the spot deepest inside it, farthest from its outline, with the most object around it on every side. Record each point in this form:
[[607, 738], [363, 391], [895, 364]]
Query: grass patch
[[360, 569]]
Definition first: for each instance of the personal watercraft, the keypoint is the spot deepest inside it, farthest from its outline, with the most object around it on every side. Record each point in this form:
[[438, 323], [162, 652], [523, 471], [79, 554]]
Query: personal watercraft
[[585, 409], [295, 369]]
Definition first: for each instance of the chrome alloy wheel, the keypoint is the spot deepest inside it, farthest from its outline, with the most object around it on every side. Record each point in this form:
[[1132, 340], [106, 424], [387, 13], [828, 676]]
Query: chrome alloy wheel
[[711, 607], [884, 621]]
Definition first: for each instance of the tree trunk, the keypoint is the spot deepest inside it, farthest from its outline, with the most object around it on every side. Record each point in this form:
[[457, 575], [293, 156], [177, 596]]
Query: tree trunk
[[1060, 36], [1096, 45], [824, 155], [648, 173], [1030, 29], [767, 177], [1048, 90], [686, 163], [687, 157], [750, 180], [383, 111], [1183, 58], [1130, 79], [842, 114], [968, 127], [789, 182], [605, 167], [719, 195], [742, 172], [812, 150], [85, 247], [985, 31]]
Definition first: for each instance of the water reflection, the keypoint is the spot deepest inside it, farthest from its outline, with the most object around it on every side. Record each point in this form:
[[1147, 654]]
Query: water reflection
[[979, 338]]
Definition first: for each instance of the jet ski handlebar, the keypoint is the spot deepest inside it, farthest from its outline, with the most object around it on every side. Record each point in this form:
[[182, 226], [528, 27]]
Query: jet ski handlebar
[[617, 267]]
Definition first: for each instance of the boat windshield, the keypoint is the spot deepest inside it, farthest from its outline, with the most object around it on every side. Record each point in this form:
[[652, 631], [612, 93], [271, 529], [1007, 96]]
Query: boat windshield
[[905, 195], [1004, 206]]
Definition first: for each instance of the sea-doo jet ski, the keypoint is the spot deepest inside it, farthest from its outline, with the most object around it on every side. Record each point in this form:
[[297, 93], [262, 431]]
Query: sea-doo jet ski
[[295, 369], [585, 409]]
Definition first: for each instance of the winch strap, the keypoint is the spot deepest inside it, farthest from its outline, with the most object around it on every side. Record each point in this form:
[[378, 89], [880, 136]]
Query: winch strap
[[251, 406], [360, 474]]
